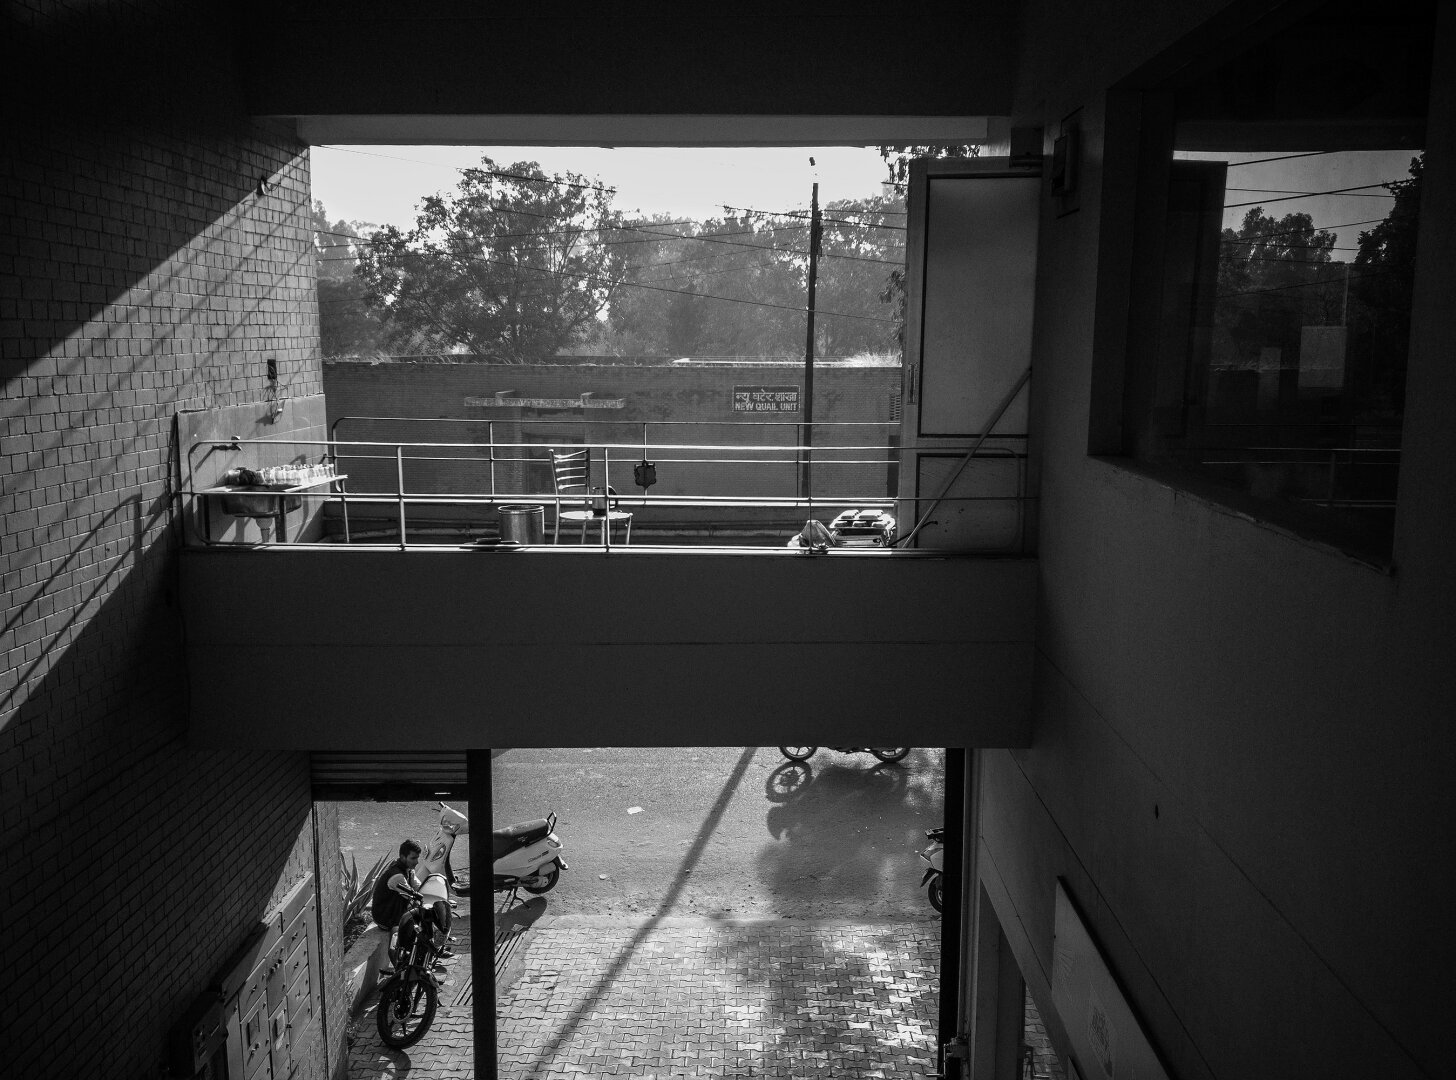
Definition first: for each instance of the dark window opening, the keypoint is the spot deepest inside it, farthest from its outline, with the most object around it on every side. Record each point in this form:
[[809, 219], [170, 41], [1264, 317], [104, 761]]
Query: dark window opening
[[1276, 327]]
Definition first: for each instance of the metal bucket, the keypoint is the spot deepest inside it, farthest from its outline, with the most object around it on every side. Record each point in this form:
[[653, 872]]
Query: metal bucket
[[524, 524]]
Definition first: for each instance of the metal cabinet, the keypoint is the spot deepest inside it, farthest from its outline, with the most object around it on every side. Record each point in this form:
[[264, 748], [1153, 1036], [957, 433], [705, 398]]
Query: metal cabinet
[[263, 1007]]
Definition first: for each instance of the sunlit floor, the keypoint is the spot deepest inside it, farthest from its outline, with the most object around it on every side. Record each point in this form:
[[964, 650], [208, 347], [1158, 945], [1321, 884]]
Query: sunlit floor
[[726, 913], [685, 996]]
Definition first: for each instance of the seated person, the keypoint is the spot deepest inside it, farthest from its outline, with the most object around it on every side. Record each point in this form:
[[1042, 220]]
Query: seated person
[[394, 890]]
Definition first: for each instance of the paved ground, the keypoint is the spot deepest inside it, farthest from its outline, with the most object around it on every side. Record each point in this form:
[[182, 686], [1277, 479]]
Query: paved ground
[[681, 996]]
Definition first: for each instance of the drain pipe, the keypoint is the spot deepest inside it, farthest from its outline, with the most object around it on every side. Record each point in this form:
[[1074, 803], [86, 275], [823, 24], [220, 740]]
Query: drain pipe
[[985, 434]]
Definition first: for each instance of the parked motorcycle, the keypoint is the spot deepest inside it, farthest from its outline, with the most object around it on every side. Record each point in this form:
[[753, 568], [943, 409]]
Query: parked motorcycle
[[527, 856], [409, 997], [884, 753], [434, 868], [935, 869]]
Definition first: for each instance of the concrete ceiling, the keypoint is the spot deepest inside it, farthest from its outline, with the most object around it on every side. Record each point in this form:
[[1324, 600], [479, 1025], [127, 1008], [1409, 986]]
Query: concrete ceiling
[[747, 73]]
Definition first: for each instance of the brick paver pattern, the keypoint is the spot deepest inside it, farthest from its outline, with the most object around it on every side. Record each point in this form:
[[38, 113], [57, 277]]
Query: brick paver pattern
[[690, 997]]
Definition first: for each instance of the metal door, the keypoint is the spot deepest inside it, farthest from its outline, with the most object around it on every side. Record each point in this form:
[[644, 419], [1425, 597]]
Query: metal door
[[970, 287]]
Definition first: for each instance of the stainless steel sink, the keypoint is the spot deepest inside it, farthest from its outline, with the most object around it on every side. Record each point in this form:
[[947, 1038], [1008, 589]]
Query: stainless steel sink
[[257, 501]]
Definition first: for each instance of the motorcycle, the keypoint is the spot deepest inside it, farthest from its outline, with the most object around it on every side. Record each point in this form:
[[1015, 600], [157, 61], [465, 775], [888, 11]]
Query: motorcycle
[[526, 855], [884, 753], [409, 997], [935, 869]]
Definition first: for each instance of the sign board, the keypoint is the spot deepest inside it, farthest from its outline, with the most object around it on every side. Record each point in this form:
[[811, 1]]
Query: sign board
[[766, 399], [1107, 1041]]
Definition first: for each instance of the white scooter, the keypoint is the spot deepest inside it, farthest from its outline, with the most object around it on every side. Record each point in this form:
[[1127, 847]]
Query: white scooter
[[526, 856], [935, 870]]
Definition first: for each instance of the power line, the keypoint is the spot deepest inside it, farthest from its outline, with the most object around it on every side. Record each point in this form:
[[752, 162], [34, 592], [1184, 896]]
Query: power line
[[837, 221], [1317, 228], [1308, 195], [1282, 157], [1306, 284], [489, 172], [610, 284], [1351, 192], [649, 235]]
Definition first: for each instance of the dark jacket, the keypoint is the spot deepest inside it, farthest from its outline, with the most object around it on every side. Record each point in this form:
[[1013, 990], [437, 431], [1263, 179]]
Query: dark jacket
[[389, 906]]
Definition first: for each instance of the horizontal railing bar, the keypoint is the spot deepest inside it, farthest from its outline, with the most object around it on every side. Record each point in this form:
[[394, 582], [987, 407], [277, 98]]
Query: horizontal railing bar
[[768, 502], [945, 447], [578, 421], [1322, 462]]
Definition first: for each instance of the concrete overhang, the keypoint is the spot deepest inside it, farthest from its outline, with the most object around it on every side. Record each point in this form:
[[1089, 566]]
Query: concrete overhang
[[642, 130], [445, 649], [651, 73]]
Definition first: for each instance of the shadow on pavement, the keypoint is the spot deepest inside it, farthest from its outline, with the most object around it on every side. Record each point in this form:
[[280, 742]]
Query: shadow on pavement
[[519, 917], [841, 829], [564, 1033], [860, 1000]]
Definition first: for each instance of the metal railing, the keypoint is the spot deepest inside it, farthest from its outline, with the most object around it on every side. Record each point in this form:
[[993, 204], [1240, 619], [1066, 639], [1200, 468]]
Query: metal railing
[[727, 492]]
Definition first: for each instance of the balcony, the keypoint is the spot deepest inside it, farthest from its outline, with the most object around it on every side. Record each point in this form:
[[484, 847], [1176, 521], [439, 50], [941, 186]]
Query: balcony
[[383, 612], [685, 483]]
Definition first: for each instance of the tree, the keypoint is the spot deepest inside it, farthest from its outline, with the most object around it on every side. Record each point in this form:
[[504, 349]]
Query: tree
[[509, 266], [861, 253], [1275, 277], [346, 325], [1381, 289], [724, 287], [737, 286], [897, 160]]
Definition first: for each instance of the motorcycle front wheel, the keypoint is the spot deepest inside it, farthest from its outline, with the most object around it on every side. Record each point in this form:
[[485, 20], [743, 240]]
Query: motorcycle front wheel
[[406, 1011], [889, 753], [799, 753], [550, 874], [936, 892]]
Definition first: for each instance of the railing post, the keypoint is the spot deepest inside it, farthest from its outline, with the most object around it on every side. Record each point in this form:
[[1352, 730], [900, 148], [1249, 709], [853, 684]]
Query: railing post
[[490, 438], [399, 491], [606, 496]]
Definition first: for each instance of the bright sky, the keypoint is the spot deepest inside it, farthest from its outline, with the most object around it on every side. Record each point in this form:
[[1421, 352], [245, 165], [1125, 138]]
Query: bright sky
[[1275, 181], [381, 185]]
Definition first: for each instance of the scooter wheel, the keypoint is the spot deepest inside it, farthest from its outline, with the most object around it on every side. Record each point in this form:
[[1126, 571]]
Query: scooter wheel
[[889, 753], [551, 875], [798, 753], [936, 892]]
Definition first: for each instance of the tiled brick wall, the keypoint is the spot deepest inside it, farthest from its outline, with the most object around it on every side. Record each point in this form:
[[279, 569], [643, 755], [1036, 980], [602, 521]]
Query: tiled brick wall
[[143, 270], [663, 396]]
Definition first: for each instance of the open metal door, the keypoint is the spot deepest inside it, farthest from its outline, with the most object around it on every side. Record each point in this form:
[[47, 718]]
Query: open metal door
[[970, 284]]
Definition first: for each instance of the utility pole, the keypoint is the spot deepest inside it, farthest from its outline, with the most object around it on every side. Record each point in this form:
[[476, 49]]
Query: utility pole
[[806, 489]]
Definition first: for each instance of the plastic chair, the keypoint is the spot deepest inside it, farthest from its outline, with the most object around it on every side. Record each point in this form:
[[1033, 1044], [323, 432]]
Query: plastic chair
[[570, 472]]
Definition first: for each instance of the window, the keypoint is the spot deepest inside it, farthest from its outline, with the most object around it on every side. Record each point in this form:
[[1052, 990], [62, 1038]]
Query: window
[[1277, 250]]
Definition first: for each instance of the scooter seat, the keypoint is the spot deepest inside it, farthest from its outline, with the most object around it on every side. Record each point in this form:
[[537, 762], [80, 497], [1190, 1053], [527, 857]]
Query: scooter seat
[[511, 837]]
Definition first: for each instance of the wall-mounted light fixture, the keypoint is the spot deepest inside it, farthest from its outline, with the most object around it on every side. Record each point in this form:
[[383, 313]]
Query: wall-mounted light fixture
[[1066, 165]]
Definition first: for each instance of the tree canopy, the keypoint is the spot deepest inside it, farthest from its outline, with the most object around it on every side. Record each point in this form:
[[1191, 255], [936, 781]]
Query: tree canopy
[[1275, 277], [1381, 289], [347, 327], [517, 265], [736, 285], [510, 265]]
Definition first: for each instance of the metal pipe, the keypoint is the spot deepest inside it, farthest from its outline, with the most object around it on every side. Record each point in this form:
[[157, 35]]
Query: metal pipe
[[985, 434]]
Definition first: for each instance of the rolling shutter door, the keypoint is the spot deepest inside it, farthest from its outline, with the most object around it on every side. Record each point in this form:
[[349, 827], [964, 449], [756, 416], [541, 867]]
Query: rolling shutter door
[[395, 776]]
